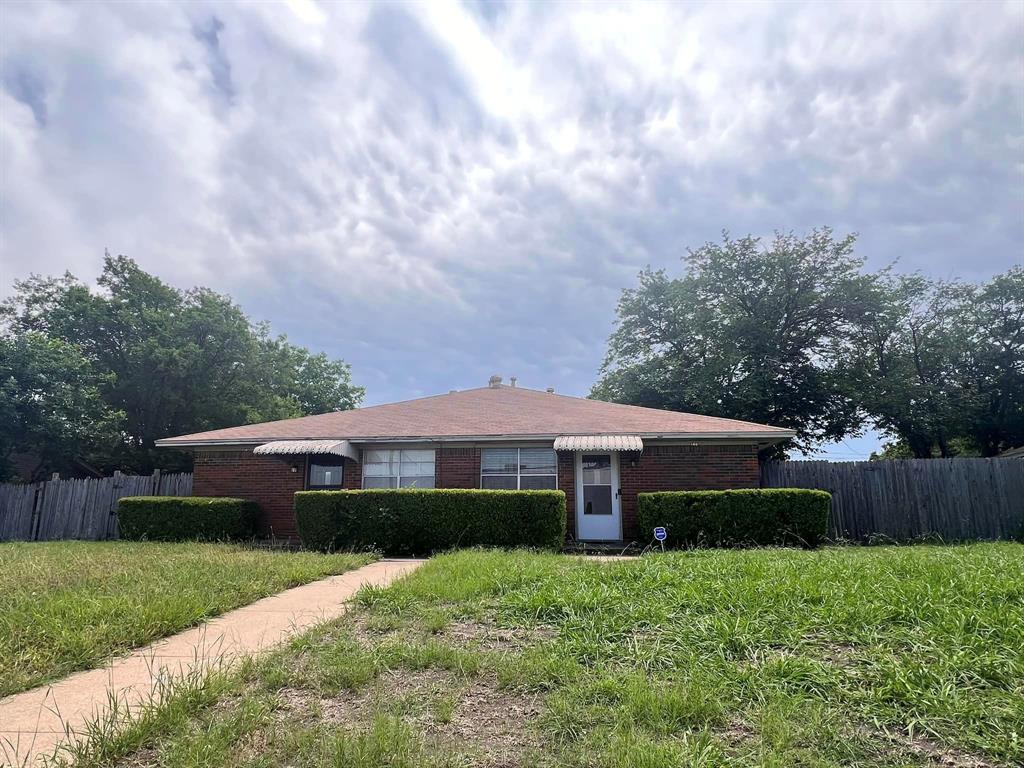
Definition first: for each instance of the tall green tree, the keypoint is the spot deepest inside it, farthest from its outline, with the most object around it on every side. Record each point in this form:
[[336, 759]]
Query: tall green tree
[[996, 355], [939, 365], [794, 332], [50, 404], [175, 361], [901, 359], [750, 331]]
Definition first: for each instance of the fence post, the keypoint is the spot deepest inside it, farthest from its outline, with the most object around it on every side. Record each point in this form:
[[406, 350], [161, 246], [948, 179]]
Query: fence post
[[37, 511], [156, 483], [113, 529]]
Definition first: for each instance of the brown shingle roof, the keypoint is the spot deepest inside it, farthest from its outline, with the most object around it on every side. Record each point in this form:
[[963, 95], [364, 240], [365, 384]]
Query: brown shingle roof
[[487, 412]]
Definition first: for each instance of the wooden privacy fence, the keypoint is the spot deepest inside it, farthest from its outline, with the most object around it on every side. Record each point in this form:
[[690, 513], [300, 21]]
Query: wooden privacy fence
[[78, 509], [906, 499]]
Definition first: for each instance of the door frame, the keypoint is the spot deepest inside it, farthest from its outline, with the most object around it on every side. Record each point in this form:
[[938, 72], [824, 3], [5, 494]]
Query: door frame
[[615, 488]]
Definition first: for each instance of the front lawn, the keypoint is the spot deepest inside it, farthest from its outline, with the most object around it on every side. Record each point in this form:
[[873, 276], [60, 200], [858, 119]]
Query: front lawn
[[66, 606], [889, 656]]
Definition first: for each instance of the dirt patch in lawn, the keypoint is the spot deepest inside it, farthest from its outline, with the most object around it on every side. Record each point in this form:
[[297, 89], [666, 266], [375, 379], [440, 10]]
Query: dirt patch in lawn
[[494, 723], [842, 655], [738, 733], [491, 638], [939, 755], [935, 754], [839, 654], [451, 712], [369, 631], [836, 652]]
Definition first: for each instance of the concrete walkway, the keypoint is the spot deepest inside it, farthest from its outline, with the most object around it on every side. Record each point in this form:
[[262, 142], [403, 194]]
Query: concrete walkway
[[34, 723]]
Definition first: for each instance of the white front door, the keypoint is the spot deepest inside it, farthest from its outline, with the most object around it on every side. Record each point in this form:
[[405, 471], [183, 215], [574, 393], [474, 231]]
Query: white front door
[[598, 513]]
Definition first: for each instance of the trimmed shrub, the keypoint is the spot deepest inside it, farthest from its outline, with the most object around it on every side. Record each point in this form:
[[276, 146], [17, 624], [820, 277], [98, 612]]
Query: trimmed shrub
[[184, 518], [733, 518], [413, 521]]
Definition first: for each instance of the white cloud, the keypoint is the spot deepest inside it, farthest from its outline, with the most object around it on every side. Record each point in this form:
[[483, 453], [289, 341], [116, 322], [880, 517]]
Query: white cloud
[[440, 191]]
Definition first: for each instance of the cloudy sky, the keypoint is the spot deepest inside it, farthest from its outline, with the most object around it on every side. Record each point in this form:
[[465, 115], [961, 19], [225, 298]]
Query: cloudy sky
[[437, 192]]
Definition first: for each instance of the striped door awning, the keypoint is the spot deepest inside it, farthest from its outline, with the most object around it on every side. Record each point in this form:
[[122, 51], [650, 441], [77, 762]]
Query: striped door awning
[[292, 447], [599, 443]]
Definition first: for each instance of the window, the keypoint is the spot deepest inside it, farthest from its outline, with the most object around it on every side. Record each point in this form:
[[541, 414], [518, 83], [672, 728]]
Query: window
[[597, 484], [325, 472], [524, 469], [398, 469]]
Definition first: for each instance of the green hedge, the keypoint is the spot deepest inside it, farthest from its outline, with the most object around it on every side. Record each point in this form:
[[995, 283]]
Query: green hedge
[[732, 518], [183, 518], [420, 521]]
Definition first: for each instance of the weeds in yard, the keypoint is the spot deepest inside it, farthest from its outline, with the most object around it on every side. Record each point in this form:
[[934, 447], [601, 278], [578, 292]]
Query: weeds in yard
[[839, 657], [66, 606]]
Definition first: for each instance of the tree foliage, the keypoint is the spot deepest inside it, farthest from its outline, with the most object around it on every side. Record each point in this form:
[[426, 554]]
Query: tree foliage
[[164, 361], [748, 332], [50, 403], [796, 333], [939, 365]]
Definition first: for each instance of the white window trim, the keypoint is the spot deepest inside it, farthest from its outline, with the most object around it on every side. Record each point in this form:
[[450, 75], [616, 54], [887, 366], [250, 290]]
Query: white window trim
[[398, 477], [518, 475]]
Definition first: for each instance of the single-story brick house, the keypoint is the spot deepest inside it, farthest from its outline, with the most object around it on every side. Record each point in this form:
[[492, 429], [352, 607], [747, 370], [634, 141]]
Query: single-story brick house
[[499, 436]]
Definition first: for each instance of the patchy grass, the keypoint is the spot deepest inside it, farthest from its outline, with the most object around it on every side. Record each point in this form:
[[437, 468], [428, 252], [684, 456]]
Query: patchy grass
[[66, 606], [840, 657]]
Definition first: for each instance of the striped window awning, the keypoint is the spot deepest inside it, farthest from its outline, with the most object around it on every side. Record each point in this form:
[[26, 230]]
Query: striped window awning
[[292, 447], [599, 443]]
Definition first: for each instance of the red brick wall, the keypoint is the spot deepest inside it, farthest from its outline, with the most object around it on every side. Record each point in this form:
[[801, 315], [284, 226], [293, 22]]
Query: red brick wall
[[457, 467], [352, 475], [683, 468], [267, 480]]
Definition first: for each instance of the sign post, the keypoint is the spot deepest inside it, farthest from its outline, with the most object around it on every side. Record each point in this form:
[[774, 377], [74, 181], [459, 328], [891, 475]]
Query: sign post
[[661, 534]]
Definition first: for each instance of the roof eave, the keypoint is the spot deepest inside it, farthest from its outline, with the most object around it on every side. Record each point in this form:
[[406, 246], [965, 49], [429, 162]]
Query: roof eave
[[771, 436]]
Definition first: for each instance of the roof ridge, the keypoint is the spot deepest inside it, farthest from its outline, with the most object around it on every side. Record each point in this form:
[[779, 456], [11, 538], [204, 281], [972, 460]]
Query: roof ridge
[[476, 412], [417, 399], [649, 408]]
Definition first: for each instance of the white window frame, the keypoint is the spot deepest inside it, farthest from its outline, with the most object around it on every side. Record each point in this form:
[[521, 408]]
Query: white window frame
[[398, 465], [518, 474]]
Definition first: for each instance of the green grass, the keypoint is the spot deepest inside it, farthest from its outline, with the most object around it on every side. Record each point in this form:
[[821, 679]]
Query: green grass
[[910, 656], [66, 606]]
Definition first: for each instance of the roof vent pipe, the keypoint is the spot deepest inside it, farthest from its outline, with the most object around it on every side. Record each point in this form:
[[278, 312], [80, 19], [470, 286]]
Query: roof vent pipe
[[512, 380], [551, 390], [494, 382]]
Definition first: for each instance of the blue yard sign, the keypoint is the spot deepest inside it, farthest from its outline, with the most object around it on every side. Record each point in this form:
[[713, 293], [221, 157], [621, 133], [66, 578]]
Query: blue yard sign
[[660, 534]]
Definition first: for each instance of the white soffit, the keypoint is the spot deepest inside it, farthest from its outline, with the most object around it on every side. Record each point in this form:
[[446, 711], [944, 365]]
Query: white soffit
[[599, 443], [292, 447]]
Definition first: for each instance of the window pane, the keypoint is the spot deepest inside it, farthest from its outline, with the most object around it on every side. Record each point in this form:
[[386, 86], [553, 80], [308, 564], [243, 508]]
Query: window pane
[[501, 461], [418, 468], [324, 474], [538, 482], [597, 470], [597, 500], [597, 476], [376, 457], [417, 465], [380, 463], [418, 456], [537, 461], [498, 482], [379, 482]]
